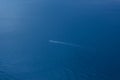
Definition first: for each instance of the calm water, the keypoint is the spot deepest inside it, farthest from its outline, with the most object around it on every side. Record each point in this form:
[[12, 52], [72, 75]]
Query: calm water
[[59, 40]]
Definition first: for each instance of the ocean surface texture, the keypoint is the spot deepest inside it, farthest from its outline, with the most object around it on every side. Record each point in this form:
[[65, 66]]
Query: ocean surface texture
[[59, 39]]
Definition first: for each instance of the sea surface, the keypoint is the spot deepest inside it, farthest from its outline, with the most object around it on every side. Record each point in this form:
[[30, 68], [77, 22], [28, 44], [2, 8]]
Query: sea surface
[[59, 40]]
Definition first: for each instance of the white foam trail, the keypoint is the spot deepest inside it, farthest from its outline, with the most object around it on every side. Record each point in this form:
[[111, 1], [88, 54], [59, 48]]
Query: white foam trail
[[73, 45], [64, 43]]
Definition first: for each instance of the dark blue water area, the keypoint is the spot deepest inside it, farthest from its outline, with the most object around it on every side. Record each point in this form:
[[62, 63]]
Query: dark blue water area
[[27, 26]]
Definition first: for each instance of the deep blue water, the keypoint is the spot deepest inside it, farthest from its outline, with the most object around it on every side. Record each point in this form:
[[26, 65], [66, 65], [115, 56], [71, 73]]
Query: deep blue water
[[26, 26]]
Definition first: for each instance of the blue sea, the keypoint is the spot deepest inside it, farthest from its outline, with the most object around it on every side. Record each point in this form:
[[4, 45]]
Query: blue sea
[[59, 40]]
